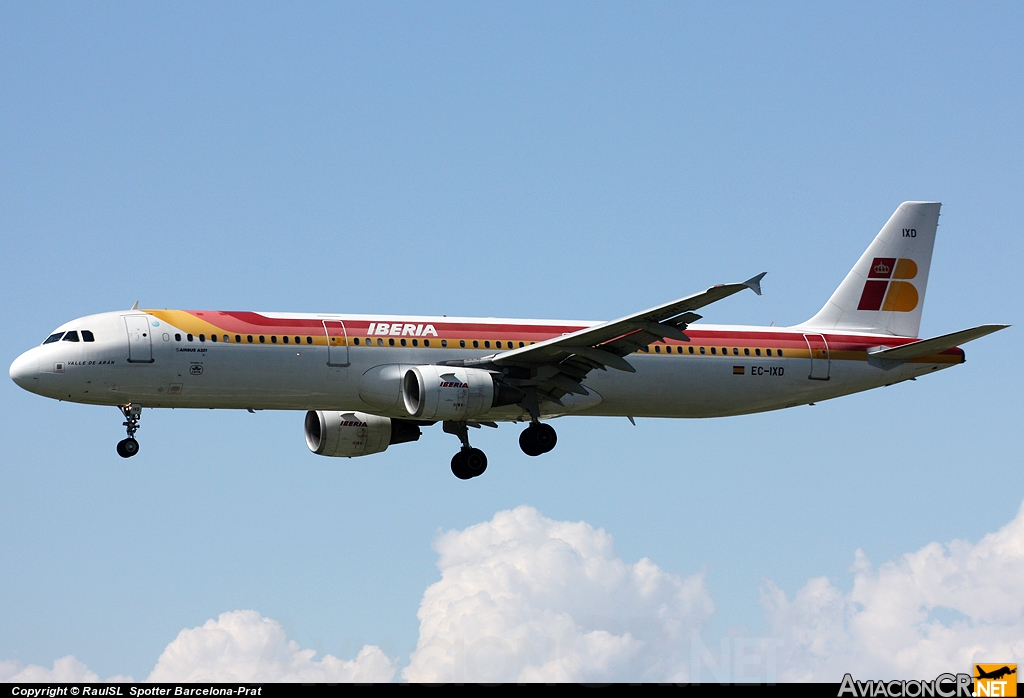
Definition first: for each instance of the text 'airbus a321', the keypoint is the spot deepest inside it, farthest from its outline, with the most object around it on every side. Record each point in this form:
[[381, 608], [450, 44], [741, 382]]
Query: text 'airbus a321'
[[368, 382]]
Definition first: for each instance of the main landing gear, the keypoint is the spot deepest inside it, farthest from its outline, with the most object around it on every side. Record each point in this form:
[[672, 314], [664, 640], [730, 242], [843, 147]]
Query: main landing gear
[[469, 462], [126, 448], [537, 439]]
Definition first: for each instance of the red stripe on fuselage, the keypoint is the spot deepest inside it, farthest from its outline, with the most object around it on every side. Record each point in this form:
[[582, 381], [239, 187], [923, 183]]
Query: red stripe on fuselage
[[246, 322]]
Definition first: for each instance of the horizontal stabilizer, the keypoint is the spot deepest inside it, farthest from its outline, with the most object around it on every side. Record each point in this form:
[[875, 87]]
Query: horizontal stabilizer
[[935, 345]]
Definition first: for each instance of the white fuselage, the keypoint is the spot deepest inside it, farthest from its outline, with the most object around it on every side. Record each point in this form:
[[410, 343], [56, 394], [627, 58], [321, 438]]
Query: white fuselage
[[342, 362]]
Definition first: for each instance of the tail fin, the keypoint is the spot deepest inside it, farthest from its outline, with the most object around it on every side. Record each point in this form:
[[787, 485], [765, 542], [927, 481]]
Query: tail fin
[[884, 292]]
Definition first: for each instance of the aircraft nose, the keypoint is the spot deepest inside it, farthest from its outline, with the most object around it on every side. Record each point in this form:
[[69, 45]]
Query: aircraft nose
[[25, 370]]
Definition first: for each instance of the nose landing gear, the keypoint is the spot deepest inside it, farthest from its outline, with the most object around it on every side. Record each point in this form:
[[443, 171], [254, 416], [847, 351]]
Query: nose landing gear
[[537, 439], [469, 462], [126, 448]]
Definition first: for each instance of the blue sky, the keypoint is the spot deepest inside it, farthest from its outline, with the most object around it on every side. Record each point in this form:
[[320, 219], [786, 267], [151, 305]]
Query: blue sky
[[521, 160]]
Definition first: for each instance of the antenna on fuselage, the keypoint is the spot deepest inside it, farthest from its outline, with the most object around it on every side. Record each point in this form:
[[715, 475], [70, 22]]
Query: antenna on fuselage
[[136, 306]]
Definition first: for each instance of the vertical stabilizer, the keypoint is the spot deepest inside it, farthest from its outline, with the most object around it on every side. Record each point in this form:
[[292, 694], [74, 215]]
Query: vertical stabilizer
[[884, 292]]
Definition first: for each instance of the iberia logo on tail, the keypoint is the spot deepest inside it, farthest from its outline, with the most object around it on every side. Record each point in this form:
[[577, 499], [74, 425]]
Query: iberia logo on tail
[[888, 286]]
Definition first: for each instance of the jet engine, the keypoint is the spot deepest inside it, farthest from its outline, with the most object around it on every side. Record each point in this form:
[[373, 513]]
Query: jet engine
[[350, 434], [454, 393]]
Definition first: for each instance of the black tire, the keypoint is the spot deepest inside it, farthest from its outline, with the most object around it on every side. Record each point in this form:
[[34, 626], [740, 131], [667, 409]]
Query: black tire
[[459, 469], [126, 448], [545, 437], [528, 442], [475, 461]]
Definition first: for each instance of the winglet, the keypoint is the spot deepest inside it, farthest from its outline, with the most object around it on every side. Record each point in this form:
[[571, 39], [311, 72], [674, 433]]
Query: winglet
[[754, 284], [136, 306]]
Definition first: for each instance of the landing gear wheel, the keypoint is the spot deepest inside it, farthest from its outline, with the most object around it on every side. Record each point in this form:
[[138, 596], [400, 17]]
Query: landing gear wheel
[[475, 460], [469, 463], [127, 448], [537, 439], [459, 469]]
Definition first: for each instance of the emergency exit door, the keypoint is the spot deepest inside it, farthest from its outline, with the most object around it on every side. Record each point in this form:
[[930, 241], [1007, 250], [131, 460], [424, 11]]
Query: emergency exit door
[[337, 343]]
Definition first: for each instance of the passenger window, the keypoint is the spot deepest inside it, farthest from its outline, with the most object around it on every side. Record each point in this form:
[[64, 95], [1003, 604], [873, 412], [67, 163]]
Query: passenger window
[[779, 352], [309, 340], [487, 345], [357, 341], [476, 344], [769, 352], [691, 350], [520, 344], [426, 342], [391, 342], [249, 338], [462, 343], [177, 337], [498, 344], [226, 338], [679, 350], [403, 342], [87, 336], [746, 352], [53, 338], [213, 338], [238, 339], [702, 350], [298, 340], [713, 350], [735, 351], [285, 339], [757, 351], [71, 336], [657, 349], [415, 342], [263, 339], [188, 337], [444, 342]]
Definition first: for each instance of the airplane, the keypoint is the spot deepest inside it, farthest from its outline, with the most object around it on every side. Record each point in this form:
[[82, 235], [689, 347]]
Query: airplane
[[995, 674], [367, 382]]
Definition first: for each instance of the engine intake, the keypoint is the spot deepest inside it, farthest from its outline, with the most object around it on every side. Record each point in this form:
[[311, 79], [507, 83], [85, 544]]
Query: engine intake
[[351, 434], [449, 392]]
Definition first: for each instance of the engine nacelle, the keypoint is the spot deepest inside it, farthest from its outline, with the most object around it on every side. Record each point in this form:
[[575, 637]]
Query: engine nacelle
[[455, 393], [351, 434]]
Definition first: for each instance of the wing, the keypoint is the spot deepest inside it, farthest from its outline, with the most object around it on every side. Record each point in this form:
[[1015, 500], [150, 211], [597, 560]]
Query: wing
[[554, 367]]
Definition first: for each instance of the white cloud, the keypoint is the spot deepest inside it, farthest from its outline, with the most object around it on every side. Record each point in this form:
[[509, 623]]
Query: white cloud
[[526, 598], [65, 670], [239, 646], [243, 646], [934, 610]]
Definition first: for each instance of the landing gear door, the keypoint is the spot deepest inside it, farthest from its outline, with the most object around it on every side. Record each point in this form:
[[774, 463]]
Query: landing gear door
[[820, 360], [140, 340], [337, 343]]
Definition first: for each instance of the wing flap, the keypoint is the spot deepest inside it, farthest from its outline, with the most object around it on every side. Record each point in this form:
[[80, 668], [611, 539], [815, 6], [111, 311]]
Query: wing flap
[[935, 345]]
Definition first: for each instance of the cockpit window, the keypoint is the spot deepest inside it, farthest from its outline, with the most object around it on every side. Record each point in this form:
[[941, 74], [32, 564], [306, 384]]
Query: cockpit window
[[53, 338], [87, 336], [71, 336]]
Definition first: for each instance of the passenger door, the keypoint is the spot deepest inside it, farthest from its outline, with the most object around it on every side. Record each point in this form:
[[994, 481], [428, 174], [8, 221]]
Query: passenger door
[[820, 361], [140, 341]]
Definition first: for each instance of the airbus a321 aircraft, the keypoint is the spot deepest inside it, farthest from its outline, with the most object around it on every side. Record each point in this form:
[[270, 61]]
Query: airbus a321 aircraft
[[371, 381]]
